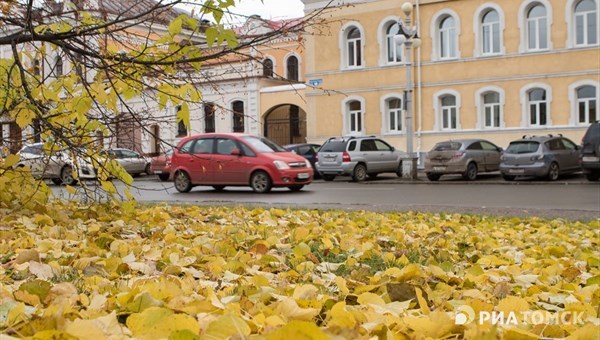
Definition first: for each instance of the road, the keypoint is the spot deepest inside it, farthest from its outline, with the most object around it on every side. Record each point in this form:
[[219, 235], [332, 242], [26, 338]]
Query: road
[[573, 198]]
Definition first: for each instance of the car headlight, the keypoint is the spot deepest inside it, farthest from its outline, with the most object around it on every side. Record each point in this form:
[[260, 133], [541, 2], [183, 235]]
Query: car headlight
[[281, 165]]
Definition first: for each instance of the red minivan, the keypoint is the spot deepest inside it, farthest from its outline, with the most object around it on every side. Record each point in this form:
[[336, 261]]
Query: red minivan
[[236, 159]]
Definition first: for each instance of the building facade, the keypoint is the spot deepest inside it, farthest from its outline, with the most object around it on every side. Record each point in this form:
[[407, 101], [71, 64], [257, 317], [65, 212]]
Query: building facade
[[492, 69]]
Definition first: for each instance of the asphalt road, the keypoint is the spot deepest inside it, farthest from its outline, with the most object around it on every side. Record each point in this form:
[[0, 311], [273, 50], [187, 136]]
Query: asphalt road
[[571, 198]]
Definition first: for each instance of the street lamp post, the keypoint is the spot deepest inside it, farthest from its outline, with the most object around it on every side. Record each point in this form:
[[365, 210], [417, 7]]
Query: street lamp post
[[408, 37]]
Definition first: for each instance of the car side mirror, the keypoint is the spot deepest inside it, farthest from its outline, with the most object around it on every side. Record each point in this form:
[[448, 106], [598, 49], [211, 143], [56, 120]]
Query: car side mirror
[[236, 152], [393, 149], [500, 149]]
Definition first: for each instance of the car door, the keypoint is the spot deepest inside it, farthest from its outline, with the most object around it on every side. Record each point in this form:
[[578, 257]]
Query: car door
[[194, 157], [558, 151], [572, 153], [132, 161], [385, 156], [228, 168], [33, 157], [474, 153], [491, 153], [368, 152]]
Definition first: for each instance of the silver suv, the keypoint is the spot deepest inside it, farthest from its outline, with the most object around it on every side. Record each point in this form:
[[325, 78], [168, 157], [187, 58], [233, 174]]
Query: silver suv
[[57, 167], [358, 157], [540, 156]]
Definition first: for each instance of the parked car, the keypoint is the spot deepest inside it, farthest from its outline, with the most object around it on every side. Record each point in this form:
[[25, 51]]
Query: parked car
[[467, 157], [306, 150], [358, 157], [161, 165], [57, 167], [131, 161], [590, 152], [540, 156], [236, 159]]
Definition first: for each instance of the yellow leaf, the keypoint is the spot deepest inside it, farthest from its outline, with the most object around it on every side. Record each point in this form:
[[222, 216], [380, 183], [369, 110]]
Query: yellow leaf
[[10, 161], [298, 330], [228, 326], [512, 304], [290, 310], [156, 322], [340, 317], [437, 325], [370, 299], [301, 249], [305, 292], [422, 301], [519, 334], [341, 283], [71, 190]]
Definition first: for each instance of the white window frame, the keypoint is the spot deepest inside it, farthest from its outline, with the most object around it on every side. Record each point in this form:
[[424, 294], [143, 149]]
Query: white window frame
[[478, 29], [524, 27], [570, 19], [347, 115], [479, 102], [273, 61], [574, 100], [524, 94], [383, 38], [343, 45], [439, 110], [438, 17], [386, 114]]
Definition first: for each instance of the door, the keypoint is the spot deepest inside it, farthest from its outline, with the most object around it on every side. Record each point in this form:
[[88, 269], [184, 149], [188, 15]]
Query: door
[[572, 153], [492, 156], [199, 161], [228, 168], [386, 156], [132, 161]]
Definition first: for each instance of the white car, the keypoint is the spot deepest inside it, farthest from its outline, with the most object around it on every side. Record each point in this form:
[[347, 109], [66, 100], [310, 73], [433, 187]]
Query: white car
[[57, 167]]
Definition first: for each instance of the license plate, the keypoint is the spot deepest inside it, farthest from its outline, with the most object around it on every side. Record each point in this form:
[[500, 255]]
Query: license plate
[[591, 159], [158, 172], [516, 171], [439, 168], [303, 175]]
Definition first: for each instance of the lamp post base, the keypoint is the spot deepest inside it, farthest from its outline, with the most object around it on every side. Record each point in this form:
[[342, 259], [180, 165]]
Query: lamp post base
[[409, 167]]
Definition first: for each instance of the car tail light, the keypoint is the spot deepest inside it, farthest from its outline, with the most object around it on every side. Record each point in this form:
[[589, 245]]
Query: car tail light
[[458, 155], [346, 157], [537, 157]]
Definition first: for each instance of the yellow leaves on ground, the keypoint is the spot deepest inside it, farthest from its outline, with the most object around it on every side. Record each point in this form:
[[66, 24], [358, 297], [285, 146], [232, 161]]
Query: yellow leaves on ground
[[216, 273]]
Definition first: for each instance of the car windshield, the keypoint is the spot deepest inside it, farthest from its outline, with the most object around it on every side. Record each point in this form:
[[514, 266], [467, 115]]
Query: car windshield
[[262, 144], [522, 147], [333, 146], [447, 146]]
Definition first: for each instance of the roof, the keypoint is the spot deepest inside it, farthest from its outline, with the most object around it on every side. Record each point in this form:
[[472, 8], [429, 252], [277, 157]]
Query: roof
[[163, 11]]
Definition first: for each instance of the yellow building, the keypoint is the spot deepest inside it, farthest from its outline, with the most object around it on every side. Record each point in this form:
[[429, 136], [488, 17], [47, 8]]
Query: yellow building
[[491, 69]]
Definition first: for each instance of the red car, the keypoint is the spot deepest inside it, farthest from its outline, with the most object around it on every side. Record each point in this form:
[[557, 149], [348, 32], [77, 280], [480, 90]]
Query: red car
[[161, 165], [235, 159]]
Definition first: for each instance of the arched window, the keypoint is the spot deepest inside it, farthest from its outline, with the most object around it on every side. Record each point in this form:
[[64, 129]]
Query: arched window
[[537, 28], [238, 115], [354, 47], [537, 107], [449, 112], [37, 70], [58, 67], [587, 107], [268, 68], [491, 110], [586, 23], [447, 38], [490, 33], [209, 117], [393, 108], [354, 113], [393, 50], [292, 68]]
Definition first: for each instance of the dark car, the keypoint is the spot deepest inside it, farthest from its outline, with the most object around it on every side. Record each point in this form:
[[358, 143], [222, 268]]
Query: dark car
[[590, 152], [540, 156], [306, 150], [467, 157]]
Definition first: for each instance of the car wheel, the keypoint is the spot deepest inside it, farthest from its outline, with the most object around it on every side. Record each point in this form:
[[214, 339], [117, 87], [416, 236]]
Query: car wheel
[[182, 182], [218, 187], [360, 173], [328, 178], [296, 187], [66, 176], [593, 176], [56, 181], [260, 182], [553, 172], [433, 177], [399, 170], [471, 173], [147, 170], [163, 177], [509, 178]]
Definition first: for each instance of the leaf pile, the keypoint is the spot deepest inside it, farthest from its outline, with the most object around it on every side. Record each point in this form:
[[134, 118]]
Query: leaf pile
[[214, 273]]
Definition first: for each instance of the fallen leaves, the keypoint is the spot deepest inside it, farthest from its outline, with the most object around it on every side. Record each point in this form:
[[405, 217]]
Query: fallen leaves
[[216, 273]]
